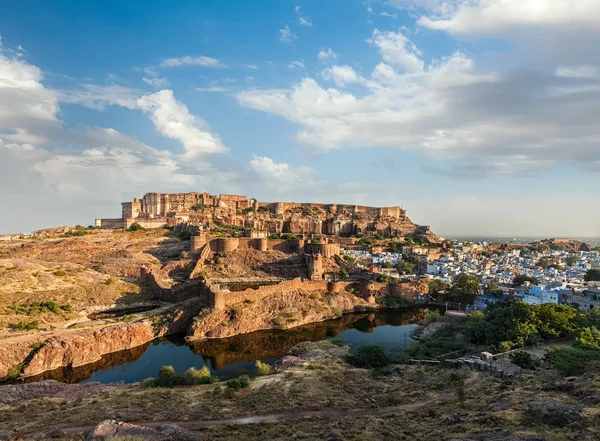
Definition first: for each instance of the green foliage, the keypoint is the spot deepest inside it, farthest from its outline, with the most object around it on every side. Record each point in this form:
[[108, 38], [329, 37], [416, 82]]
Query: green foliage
[[343, 273], [14, 371], [404, 267], [436, 286], [241, 382], [520, 279], [493, 288], [446, 340], [572, 259], [543, 262], [34, 308], [387, 265], [524, 360], [588, 338], [592, 275], [571, 361], [79, 230], [369, 356], [508, 325], [109, 281], [167, 377], [338, 341], [384, 278], [433, 317], [465, 286], [337, 312], [261, 369], [148, 383], [219, 260], [348, 258], [24, 326], [60, 273], [195, 376], [135, 227]]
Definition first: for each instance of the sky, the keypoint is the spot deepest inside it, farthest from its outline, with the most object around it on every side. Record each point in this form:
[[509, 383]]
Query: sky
[[480, 117]]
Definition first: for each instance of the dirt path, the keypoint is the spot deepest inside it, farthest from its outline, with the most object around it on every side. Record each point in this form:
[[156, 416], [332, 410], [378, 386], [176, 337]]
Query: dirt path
[[267, 418]]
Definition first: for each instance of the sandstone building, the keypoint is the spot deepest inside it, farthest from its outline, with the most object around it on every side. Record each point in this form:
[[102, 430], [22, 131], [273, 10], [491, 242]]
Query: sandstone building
[[155, 210]]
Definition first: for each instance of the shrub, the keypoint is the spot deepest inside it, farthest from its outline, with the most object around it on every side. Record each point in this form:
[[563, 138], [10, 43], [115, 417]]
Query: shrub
[[369, 356], [338, 341], [23, 326], [261, 368], [343, 273], [60, 273], [167, 377], [570, 361], [336, 312], [135, 227], [217, 390], [588, 338], [148, 382], [14, 371], [109, 281], [219, 260], [348, 258], [195, 376], [524, 360], [238, 383]]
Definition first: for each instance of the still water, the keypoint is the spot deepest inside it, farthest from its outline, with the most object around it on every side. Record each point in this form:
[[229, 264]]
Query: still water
[[230, 357]]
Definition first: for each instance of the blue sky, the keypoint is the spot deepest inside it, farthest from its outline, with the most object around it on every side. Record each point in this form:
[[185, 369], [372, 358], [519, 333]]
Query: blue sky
[[479, 118]]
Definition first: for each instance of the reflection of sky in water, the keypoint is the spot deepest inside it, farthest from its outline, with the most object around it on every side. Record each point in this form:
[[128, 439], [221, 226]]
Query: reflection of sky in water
[[390, 333]]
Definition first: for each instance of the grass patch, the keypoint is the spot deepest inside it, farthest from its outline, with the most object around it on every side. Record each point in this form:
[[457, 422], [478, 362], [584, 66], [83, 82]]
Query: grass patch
[[35, 308], [24, 326], [571, 361]]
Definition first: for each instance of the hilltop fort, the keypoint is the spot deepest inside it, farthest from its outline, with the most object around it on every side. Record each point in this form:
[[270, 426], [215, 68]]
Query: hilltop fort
[[155, 210]]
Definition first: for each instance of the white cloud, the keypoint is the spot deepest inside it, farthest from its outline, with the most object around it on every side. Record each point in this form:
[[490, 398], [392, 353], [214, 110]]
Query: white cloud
[[153, 79], [251, 66], [295, 64], [191, 61], [286, 35], [327, 56], [341, 75], [480, 121], [28, 110], [211, 89], [174, 120], [387, 14], [98, 97], [495, 17], [281, 176], [397, 49], [302, 21]]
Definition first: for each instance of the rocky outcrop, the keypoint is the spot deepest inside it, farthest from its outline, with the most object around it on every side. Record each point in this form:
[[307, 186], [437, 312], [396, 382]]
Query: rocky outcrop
[[111, 429], [87, 346], [79, 348], [280, 310]]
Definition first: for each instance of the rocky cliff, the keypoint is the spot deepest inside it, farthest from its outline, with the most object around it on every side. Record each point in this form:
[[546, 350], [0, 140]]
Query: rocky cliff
[[280, 310]]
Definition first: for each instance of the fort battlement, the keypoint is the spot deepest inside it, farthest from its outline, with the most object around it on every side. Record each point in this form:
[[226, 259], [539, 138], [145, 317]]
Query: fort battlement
[[154, 210]]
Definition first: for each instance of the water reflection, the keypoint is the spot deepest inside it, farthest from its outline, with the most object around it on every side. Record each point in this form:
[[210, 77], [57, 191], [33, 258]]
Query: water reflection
[[234, 356]]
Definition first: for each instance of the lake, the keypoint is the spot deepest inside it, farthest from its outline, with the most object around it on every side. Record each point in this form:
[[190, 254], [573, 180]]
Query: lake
[[234, 356]]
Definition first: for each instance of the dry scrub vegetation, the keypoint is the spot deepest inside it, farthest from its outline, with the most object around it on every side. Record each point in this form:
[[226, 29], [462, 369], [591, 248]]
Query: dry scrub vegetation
[[459, 404], [97, 269]]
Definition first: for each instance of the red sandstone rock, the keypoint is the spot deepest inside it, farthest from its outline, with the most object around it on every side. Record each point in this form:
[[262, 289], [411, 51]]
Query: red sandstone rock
[[87, 346]]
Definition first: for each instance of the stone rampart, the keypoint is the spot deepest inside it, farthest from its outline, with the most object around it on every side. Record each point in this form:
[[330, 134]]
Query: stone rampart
[[195, 288]]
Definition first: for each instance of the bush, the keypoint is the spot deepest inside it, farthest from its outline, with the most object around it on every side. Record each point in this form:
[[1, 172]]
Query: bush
[[241, 382], [571, 361], [135, 227], [60, 273], [23, 326], [348, 258], [369, 356], [524, 360], [261, 368], [343, 273], [14, 371], [195, 376], [588, 338], [167, 377], [148, 382], [337, 312]]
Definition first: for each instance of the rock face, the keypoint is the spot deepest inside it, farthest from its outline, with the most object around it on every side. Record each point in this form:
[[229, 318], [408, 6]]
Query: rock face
[[87, 346], [11, 355], [111, 429], [281, 310]]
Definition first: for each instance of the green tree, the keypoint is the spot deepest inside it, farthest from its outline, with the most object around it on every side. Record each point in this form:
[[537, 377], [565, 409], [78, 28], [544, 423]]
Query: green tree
[[167, 377], [405, 268], [555, 321], [465, 287], [520, 279], [343, 273], [572, 259], [592, 275], [369, 356], [135, 227], [436, 286], [493, 288], [588, 338]]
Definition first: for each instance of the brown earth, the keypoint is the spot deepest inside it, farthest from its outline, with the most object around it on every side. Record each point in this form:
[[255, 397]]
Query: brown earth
[[317, 396], [99, 269]]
